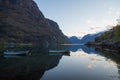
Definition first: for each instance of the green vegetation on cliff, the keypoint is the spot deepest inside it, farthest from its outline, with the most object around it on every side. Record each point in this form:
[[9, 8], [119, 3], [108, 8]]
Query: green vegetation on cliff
[[109, 40], [117, 33], [111, 35]]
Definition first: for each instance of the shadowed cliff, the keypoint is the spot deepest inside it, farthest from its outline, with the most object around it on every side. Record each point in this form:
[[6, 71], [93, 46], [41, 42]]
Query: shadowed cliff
[[22, 22]]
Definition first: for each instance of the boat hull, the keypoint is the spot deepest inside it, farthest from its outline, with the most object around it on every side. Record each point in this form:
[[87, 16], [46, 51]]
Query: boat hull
[[20, 53]]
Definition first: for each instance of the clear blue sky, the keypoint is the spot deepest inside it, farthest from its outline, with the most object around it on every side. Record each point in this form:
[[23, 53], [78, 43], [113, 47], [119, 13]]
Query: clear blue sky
[[78, 17]]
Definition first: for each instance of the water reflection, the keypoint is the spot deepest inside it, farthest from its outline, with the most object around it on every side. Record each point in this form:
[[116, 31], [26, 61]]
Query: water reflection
[[83, 63], [26, 68], [86, 49], [86, 63], [14, 67], [112, 58]]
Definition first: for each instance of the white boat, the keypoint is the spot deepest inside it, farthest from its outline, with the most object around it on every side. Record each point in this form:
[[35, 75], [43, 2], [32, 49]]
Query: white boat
[[17, 52]]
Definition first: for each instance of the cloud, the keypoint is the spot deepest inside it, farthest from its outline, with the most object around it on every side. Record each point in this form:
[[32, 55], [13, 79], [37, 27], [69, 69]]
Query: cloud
[[105, 23], [89, 22], [110, 23], [118, 12], [77, 34], [91, 66], [92, 24], [95, 28], [113, 11], [82, 33], [79, 54]]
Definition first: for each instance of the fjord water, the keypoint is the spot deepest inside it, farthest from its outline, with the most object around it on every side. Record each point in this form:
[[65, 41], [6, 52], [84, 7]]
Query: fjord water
[[83, 63], [86, 64]]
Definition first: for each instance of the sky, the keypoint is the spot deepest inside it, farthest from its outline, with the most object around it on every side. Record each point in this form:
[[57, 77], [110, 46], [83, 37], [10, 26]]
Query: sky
[[80, 17]]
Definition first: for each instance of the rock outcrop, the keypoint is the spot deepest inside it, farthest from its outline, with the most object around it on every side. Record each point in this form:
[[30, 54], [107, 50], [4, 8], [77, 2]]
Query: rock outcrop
[[21, 21]]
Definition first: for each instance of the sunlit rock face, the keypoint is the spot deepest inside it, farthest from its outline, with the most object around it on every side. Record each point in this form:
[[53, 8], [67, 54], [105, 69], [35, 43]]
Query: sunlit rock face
[[22, 21]]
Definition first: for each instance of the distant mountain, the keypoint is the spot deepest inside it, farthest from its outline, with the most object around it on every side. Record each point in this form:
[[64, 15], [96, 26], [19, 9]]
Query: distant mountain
[[89, 37], [84, 39], [21, 21], [75, 39]]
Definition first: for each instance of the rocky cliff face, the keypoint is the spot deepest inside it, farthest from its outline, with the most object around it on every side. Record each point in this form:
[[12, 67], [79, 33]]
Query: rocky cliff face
[[22, 21]]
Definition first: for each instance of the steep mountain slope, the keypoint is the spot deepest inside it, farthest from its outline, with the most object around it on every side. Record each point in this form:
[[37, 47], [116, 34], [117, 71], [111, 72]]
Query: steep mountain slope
[[22, 21]]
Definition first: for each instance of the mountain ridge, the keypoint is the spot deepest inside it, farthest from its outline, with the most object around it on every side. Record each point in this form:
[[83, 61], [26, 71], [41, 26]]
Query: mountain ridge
[[86, 38], [21, 21]]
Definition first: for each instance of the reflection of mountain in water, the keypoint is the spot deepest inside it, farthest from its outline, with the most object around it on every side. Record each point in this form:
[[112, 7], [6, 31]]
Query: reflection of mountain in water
[[119, 70], [34, 67], [61, 47], [27, 68], [110, 55], [115, 57], [86, 49]]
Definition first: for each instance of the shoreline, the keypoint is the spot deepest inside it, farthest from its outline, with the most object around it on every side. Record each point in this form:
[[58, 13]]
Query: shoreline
[[104, 47]]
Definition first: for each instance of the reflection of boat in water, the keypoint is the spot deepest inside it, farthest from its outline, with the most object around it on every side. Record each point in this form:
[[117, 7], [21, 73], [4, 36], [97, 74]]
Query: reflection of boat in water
[[16, 52], [59, 52], [27, 68]]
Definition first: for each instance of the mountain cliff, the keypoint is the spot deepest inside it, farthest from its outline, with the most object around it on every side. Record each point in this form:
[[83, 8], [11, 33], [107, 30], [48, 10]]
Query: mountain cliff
[[21, 21]]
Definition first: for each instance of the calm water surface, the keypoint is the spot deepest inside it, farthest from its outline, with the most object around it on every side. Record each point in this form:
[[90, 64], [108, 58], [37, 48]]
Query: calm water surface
[[82, 63], [85, 64]]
